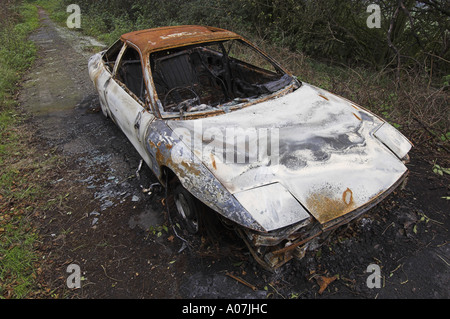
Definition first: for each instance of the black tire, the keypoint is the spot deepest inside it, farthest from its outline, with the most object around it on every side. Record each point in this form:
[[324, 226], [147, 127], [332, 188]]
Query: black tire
[[188, 208]]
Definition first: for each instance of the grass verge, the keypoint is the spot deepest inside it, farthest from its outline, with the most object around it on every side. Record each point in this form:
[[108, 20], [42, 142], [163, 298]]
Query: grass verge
[[21, 168]]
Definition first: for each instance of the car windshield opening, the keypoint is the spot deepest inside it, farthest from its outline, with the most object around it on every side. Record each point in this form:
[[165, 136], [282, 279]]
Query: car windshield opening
[[212, 76]]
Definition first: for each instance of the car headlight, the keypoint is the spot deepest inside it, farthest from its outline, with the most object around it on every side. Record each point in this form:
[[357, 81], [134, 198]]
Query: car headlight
[[393, 139], [272, 206]]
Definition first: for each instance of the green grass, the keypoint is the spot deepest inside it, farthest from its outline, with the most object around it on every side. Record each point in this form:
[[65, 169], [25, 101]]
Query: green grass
[[91, 23], [55, 8], [17, 190]]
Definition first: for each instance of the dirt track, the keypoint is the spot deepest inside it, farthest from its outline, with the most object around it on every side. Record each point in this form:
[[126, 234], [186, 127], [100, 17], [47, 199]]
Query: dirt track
[[114, 232]]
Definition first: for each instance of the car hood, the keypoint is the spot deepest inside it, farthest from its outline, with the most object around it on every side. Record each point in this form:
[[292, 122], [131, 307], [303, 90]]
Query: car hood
[[329, 154]]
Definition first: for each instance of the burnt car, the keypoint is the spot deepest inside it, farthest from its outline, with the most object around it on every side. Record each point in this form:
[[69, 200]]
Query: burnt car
[[281, 161]]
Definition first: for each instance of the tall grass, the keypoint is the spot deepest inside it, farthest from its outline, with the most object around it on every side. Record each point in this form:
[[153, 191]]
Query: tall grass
[[16, 52]]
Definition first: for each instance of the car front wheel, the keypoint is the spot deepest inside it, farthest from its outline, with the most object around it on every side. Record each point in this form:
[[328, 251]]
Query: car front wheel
[[188, 209]]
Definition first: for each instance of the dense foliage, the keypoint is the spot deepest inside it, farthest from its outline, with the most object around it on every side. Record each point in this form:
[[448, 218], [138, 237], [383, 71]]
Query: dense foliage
[[411, 34]]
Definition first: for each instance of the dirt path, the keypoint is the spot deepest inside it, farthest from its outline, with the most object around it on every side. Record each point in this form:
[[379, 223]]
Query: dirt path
[[124, 245]]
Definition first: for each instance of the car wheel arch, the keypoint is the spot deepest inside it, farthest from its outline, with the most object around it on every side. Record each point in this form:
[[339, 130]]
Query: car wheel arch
[[231, 208]]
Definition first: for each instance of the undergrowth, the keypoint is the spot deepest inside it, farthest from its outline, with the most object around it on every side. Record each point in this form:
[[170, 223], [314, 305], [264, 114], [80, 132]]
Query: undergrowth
[[19, 171]]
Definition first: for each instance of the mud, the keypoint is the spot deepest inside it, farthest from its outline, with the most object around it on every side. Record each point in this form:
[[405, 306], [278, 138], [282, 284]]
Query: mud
[[127, 246]]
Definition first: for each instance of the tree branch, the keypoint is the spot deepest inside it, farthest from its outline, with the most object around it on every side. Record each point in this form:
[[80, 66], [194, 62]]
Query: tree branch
[[434, 5]]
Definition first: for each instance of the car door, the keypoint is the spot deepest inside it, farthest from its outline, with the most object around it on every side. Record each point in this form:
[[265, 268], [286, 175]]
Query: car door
[[125, 95]]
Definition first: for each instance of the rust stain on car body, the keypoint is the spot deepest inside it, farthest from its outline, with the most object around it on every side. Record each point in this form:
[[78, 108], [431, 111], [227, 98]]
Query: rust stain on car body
[[356, 116], [182, 169], [169, 37], [213, 161], [347, 196], [324, 207]]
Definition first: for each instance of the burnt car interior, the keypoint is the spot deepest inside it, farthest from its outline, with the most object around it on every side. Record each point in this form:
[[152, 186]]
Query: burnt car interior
[[129, 71], [209, 76]]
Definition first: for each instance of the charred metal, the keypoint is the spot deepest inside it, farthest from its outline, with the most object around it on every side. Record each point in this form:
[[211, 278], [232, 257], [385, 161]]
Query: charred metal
[[281, 161]]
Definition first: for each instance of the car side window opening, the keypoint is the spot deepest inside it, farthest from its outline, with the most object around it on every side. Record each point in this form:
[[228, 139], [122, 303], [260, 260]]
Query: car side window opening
[[210, 76], [111, 54], [129, 72]]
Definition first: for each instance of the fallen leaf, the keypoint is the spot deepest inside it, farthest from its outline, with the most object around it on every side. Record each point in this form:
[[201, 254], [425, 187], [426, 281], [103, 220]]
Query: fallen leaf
[[170, 238], [324, 282]]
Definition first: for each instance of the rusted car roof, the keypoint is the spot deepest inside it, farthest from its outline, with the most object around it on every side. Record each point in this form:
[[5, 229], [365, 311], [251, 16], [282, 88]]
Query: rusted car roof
[[166, 37]]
